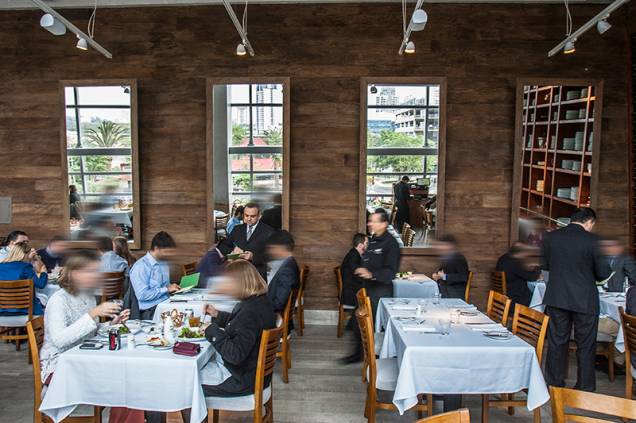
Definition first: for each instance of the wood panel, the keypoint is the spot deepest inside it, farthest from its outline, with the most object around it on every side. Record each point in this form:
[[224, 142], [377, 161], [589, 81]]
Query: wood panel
[[325, 50]]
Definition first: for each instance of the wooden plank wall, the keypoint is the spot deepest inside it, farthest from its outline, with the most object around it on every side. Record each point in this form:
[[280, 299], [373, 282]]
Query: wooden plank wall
[[324, 49]]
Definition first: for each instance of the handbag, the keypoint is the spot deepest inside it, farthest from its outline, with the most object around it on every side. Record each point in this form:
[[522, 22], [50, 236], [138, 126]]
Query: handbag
[[186, 348]]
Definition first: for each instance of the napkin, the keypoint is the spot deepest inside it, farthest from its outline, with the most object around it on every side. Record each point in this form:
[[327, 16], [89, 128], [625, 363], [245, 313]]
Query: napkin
[[495, 327], [465, 307], [419, 328], [404, 307]]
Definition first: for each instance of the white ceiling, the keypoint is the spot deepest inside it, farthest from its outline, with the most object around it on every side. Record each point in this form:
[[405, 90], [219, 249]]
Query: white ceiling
[[27, 4]]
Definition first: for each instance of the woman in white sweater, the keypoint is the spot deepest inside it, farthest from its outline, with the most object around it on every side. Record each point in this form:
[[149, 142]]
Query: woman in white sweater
[[71, 314]]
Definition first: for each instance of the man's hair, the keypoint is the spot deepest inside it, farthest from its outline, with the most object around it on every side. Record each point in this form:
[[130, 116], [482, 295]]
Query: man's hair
[[252, 205], [13, 235], [282, 238], [406, 178], [448, 239], [239, 211], [162, 240], [583, 215], [384, 216], [104, 244], [358, 239]]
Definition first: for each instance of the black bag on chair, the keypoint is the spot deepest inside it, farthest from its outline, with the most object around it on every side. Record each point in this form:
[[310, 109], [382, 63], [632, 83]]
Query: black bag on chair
[[130, 302]]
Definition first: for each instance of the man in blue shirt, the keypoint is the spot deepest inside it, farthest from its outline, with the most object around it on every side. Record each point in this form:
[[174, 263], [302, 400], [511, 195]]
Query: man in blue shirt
[[150, 275]]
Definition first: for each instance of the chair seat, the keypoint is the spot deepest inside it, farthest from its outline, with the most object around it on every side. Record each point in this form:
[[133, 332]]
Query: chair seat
[[387, 374], [13, 321], [242, 403], [378, 339]]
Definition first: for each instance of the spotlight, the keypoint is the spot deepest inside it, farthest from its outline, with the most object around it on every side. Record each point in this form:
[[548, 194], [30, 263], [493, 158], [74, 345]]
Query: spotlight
[[410, 47], [569, 47], [52, 25], [240, 50], [373, 89], [603, 26], [81, 43], [418, 20]]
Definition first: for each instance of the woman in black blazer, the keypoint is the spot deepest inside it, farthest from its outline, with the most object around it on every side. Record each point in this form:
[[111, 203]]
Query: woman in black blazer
[[236, 336]]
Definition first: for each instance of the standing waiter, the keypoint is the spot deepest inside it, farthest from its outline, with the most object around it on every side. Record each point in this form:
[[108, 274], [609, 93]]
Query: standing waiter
[[572, 256], [402, 194]]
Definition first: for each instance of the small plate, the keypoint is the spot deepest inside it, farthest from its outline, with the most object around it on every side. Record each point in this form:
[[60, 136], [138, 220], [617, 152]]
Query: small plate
[[498, 335]]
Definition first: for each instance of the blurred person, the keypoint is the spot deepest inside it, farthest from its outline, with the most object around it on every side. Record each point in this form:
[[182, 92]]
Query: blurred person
[[248, 239], [272, 216], [452, 275], [53, 254], [402, 194], [21, 263], [120, 246], [236, 219], [211, 265], [518, 273], [110, 260], [353, 260], [573, 257], [390, 229], [283, 274], [13, 238], [623, 266], [150, 275], [75, 202]]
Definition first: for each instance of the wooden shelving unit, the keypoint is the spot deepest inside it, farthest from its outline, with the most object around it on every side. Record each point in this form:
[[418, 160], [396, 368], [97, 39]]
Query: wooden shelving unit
[[558, 136]]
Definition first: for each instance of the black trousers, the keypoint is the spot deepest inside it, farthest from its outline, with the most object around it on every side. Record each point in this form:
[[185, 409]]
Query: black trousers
[[559, 332]]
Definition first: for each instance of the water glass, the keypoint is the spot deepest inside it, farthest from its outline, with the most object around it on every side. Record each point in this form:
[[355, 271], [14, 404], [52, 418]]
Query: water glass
[[436, 297], [444, 326], [455, 316]]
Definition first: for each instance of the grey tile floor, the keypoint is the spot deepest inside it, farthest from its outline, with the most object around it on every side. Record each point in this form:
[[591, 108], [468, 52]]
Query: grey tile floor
[[321, 390]]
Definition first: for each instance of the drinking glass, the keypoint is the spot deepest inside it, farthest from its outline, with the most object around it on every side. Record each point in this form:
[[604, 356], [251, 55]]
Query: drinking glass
[[436, 298], [455, 316], [444, 326]]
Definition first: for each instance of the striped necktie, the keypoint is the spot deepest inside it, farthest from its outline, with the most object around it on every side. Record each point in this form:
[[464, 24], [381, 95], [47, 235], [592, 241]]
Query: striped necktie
[[250, 230]]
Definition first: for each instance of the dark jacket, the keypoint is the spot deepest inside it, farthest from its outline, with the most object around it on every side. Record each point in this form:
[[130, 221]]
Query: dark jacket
[[273, 217], [455, 267], [622, 266], [237, 336], [630, 308], [281, 285], [19, 270], [382, 258], [573, 258], [517, 277], [49, 261], [211, 265], [256, 244], [351, 284]]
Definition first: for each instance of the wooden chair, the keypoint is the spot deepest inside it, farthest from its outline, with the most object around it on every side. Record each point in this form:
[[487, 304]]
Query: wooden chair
[[343, 316], [409, 237], [531, 326], [498, 307], [300, 302], [189, 268], [364, 302], [498, 282], [564, 398], [457, 416], [469, 282], [220, 224], [112, 286], [405, 229], [285, 354], [35, 334], [393, 214], [261, 401], [629, 333], [382, 373], [16, 295]]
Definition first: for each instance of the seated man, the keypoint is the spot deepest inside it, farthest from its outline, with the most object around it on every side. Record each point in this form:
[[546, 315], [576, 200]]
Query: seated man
[[110, 261], [150, 275], [210, 266], [623, 265], [351, 284], [513, 263], [283, 275], [53, 254], [13, 238], [452, 275]]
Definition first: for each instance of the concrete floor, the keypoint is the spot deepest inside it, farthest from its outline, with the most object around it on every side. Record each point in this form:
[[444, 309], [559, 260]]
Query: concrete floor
[[320, 389]]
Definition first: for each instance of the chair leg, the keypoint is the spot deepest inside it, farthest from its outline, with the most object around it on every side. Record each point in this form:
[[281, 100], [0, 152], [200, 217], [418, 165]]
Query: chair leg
[[299, 317], [610, 361], [372, 398], [17, 341], [510, 397], [340, 322], [429, 404], [537, 415], [215, 416], [485, 405], [97, 414], [285, 367], [302, 316]]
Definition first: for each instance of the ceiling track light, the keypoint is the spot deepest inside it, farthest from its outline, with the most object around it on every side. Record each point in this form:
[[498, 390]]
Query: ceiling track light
[[240, 49], [239, 28], [603, 26], [409, 28], [75, 30], [81, 43], [410, 47], [586, 26], [569, 47], [418, 20], [54, 26]]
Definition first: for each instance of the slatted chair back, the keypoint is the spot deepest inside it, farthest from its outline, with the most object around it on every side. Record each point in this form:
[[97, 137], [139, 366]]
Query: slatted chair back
[[628, 322], [498, 307], [588, 402], [498, 282], [405, 230], [270, 341], [284, 353], [35, 332], [531, 326], [300, 302], [112, 285], [17, 295], [189, 268], [361, 295], [457, 416], [220, 222], [469, 282], [409, 238], [338, 273], [365, 323]]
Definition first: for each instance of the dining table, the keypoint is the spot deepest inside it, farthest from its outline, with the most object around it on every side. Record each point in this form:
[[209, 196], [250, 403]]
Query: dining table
[[143, 378], [468, 356], [414, 286], [194, 300]]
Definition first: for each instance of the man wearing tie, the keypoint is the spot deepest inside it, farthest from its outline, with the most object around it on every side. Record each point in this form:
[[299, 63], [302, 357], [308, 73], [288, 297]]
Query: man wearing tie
[[249, 239], [573, 257]]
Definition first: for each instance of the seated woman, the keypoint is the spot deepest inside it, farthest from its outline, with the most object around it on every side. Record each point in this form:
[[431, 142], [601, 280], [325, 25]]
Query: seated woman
[[120, 245], [22, 262], [71, 315], [236, 336]]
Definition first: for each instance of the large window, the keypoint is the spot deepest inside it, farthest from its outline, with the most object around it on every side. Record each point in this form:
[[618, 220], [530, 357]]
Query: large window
[[100, 138]]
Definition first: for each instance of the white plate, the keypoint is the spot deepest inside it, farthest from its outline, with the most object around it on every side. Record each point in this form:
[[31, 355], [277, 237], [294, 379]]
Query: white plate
[[180, 339]]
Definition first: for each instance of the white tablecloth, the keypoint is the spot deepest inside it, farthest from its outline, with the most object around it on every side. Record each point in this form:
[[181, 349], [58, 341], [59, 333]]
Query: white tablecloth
[[538, 292], [143, 379], [196, 299], [419, 286], [609, 304], [464, 362]]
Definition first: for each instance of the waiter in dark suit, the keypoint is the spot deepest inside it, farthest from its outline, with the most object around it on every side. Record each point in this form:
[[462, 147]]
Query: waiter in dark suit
[[351, 284], [573, 257], [452, 275], [622, 265], [518, 273], [249, 239], [283, 274], [402, 194]]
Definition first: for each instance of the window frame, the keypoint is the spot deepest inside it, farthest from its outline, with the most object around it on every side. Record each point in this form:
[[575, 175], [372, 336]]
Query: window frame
[[441, 149], [285, 168], [136, 243]]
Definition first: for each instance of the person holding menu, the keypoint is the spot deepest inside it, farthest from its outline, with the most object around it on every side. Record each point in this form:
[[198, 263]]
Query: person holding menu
[[248, 240]]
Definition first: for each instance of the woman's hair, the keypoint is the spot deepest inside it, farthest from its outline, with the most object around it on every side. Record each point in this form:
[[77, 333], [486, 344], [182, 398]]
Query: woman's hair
[[18, 252], [246, 274], [75, 261], [121, 249]]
